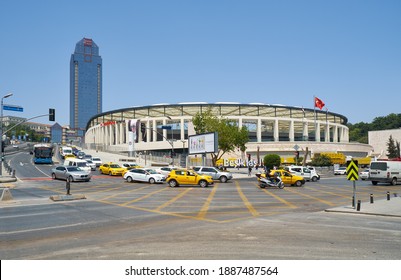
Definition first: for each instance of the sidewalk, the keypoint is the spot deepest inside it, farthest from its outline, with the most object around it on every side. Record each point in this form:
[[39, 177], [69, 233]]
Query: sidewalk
[[389, 208]]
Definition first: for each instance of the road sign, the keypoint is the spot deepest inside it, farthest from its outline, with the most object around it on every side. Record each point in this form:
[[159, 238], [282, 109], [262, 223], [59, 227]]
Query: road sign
[[352, 170], [13, 108], [168, 127]]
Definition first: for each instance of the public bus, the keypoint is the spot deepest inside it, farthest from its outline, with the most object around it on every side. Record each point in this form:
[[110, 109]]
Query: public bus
[[43, 153]]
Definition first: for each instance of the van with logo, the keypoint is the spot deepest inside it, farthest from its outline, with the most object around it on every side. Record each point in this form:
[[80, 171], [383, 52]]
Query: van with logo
[[81, 163], [385, 172]]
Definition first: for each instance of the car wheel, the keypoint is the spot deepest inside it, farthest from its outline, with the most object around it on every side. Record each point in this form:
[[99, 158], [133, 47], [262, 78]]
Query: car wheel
[[110, 173], [374, 183], [70, 179], [152, 180], [203, 183], [173, 183], [100, 171], [314, 179], [54, 176], [394, 181], [298, 183], [129, 179], [223, 179]]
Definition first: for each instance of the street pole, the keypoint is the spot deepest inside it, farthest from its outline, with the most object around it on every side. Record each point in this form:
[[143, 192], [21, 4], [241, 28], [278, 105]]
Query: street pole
[[1, 132]]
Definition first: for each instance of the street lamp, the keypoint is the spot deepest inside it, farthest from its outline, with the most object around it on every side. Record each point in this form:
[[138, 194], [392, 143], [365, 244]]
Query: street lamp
[[1, 132]]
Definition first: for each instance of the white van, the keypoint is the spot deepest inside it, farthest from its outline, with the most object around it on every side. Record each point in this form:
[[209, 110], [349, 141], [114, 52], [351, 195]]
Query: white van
[[81, 163], [385, 172], [65, 150], [305, 172]]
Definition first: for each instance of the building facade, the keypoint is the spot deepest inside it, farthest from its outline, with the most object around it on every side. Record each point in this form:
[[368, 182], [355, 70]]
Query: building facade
[[85, 84], [379, 141], [275, 129]]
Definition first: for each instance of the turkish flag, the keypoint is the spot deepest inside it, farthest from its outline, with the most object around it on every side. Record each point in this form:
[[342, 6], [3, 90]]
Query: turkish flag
[[319, 103]]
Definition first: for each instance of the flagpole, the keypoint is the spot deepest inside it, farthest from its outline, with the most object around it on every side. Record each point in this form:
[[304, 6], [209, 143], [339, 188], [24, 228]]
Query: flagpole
[[314, 110]]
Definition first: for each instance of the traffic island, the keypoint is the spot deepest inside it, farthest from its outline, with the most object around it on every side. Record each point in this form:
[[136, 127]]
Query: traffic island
[[67, 197]]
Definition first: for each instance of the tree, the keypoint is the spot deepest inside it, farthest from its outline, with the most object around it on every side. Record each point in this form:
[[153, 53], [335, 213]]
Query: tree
[[231, 137], [321, 160], [393, 148], [271, 160]]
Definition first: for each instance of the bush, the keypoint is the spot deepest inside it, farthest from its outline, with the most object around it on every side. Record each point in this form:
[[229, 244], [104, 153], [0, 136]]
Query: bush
[[321, 160], [271, 160]]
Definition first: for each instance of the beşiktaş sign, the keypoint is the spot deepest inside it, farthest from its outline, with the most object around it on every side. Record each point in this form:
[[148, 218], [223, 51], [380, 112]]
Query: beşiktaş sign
[[240, 162]]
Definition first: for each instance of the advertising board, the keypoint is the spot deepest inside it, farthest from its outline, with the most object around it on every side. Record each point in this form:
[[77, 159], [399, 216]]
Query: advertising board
[[203, 143]]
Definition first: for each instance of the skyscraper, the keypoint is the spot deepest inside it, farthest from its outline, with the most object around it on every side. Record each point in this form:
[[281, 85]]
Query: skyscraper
[[85, 84]]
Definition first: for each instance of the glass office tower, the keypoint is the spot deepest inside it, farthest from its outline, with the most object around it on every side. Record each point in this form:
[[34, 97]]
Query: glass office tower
[[85, 84]]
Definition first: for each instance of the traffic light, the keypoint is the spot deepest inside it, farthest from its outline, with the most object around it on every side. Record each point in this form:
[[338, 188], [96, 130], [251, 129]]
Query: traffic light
[[52, 115]]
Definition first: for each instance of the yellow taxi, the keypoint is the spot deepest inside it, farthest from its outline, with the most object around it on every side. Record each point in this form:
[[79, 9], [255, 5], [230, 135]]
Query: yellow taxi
[[287, 177], [111, 169], [69, 156], [129, 166], [188, 177]]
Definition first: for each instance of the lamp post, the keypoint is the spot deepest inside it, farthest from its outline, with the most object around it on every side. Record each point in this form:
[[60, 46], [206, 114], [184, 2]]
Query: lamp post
[[1, 132]]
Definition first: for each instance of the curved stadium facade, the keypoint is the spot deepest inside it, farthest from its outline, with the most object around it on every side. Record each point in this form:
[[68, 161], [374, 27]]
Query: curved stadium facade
[[275, 129]]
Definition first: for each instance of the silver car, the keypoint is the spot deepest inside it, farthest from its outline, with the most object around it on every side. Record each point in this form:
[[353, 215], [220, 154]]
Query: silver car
[[70, 173], [216, 174]]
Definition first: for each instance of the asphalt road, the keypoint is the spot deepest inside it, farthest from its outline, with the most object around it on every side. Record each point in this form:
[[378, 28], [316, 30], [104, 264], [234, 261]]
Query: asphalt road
[[236, 220]]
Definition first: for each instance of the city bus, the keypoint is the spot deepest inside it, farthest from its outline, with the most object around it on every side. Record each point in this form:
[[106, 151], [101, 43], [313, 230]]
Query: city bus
[[43, 153]]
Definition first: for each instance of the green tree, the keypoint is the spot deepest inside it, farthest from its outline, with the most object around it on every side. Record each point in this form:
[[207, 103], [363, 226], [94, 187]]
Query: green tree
[[230, 136], [393, 148], [321, 160], [271, 160]]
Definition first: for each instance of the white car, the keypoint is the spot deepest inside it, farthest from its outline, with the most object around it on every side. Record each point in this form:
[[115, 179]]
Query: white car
[[91, 164], [364, 174], [144, 175], [165, 170], [97, 161], [340, 171]]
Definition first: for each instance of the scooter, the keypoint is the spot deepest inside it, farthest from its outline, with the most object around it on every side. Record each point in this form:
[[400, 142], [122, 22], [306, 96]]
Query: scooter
[[270, 182]]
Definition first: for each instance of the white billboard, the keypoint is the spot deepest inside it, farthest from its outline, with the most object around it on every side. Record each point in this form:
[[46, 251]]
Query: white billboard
[[203, 143]]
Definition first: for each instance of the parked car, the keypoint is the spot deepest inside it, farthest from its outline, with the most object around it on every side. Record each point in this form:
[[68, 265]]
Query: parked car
[[216, 174], [97, 161], [87, 156], [340, 171], [70, 173], [144, 175], [188, 177], [111, 169], [165, 170], [80, 155], [91, 164], [364, 174]]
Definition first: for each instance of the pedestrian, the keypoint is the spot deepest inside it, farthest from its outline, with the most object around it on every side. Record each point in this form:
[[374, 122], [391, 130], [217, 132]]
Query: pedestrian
[[249, 170]]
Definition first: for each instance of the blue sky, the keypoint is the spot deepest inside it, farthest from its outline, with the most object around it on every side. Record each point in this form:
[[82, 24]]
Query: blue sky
[[347, 53]]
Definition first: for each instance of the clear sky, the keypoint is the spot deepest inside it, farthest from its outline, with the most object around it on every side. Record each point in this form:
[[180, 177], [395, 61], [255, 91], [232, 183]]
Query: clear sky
[[346, 52]]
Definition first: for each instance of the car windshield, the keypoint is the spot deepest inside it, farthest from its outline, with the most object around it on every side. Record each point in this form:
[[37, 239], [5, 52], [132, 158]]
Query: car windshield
[[73, 168], [114, 166], [151, 171]]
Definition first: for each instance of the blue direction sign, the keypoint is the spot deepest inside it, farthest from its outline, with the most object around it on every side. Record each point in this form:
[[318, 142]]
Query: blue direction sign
[[13, 108], [168, 127]]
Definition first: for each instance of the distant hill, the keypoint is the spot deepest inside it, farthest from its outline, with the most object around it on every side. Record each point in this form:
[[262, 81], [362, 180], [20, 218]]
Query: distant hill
[[359, 132]]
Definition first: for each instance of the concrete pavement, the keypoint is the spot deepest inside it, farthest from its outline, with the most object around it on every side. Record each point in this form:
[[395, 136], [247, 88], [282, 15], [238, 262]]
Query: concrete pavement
[[391, 208]]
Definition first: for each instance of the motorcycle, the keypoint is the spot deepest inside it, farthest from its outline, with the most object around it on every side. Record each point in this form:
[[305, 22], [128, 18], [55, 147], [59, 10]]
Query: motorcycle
[[270, 182]]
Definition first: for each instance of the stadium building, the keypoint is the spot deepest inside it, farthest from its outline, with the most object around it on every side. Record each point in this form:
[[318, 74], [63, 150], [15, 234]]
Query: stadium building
[[277, 129]]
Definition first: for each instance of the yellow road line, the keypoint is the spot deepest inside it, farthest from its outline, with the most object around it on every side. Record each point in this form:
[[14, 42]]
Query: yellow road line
[[311, 197], [173, 200], [143, 197], [205, 207], [122, 193], [331, 193], [246, 201], [289, 204]]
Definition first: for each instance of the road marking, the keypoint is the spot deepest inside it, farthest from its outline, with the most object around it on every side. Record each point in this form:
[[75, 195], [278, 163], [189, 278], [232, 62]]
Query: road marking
[[122, 193], [39, 229], [173, 199], [331, 193], [205, 207], [311, 197], [143, 197], [246, 201], [289, 204]]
